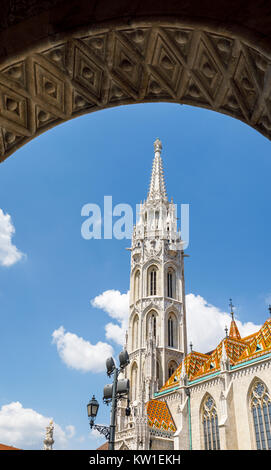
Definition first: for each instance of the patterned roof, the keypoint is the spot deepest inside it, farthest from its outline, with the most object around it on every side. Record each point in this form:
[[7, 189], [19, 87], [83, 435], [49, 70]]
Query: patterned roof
[[198, 365], [159, 416], [193, 363], [234, 332], [237, 349]]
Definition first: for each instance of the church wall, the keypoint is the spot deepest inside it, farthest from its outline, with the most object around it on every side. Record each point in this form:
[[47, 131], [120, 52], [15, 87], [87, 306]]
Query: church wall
[[198, 394], [161, 444], [242, 381], [232, 398]]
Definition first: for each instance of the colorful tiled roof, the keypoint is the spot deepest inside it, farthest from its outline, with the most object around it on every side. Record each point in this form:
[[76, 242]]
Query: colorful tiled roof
[[234, 332], [237, 349], [159, 416], [193, 363], [258, 344], [198, 365]]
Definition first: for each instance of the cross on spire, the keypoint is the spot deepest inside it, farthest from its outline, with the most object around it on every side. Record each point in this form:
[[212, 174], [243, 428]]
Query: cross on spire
[[231, 307]]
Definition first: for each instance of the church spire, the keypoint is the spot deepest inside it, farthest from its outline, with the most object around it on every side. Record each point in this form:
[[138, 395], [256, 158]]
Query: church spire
[[234, 332], [157, 187]]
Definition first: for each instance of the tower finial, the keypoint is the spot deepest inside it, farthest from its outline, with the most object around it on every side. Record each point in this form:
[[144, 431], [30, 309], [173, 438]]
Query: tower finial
[[269, 308], [231, 307], [226, 331], [157, 145], [234, 332], [157, 189]]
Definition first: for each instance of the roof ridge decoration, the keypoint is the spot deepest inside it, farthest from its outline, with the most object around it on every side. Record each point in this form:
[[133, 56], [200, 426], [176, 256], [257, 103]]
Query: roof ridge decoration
[[157, 189]]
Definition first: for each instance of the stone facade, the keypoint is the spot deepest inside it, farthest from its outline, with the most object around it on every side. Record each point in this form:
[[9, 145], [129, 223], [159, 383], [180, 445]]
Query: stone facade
[[217, 400]]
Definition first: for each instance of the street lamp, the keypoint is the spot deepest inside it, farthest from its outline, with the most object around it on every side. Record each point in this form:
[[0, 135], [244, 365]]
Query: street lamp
[[92, 408], [112, 393]]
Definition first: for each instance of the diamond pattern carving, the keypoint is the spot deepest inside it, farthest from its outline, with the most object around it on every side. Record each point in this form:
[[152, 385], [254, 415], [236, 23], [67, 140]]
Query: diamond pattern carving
[[49, 88], [88, 74], [13, 107], [207, 70], [246, 83], [166, 65], [127, 68], [138, 63]]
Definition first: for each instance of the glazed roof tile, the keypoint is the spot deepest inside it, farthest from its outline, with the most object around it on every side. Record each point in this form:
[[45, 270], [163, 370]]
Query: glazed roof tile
[[159, 416]]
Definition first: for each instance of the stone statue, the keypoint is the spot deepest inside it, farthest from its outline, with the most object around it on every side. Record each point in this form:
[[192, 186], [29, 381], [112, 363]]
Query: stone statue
[[49, 441]]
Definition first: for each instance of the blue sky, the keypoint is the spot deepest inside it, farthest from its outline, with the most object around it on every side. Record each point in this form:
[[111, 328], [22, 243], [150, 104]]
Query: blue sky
[[217, 165]]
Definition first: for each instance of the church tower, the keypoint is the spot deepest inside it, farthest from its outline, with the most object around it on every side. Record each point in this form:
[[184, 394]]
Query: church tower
[[157, 324], [156, 339]]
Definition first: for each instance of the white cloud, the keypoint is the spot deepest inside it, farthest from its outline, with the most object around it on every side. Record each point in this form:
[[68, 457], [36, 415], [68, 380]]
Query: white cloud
[[206, 324], [9, 253], [26, 428], [80, 354], [117, 306]]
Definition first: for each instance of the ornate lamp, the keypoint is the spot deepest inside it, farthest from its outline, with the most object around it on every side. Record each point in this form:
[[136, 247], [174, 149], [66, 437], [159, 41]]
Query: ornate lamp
[[92, 408]]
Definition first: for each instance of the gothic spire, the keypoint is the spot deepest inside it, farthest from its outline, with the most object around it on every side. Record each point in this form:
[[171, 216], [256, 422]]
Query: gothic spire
[[234, 332], [157, 189]]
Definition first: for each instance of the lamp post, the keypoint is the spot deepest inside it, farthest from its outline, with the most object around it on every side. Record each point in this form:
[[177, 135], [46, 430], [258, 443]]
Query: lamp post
[[112, 393], [92, 409]]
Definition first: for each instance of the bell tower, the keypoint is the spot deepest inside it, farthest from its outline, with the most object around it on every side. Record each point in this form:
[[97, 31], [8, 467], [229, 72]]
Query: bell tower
[[157, 340]]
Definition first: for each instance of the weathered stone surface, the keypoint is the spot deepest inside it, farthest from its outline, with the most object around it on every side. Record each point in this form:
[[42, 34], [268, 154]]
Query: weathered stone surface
[[62, 59]]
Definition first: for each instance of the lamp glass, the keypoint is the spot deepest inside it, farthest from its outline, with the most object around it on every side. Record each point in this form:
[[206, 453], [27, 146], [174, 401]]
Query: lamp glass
[[93, 407]]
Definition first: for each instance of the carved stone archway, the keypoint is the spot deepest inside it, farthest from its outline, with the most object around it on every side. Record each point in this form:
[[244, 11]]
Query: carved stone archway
[[59, 60]]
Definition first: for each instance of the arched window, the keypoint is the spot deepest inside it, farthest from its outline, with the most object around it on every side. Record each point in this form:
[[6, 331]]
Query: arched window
[[134, 382], [170, 331], [169, 284], [172, 366], [210, 425], [137, 286], [135, 332], [260, 403], [152, 281], [151, 325]]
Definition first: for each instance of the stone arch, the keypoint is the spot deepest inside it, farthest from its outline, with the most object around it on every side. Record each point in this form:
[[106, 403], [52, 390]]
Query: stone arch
[[60, 60], [136, 285], [153, 278], [171, 367], [172, 330], [134, 381], [171, 282], [135, 332], [151, 322]]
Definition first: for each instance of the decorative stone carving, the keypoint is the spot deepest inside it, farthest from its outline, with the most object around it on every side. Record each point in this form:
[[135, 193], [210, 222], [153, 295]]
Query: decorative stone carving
[[176, 63]]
